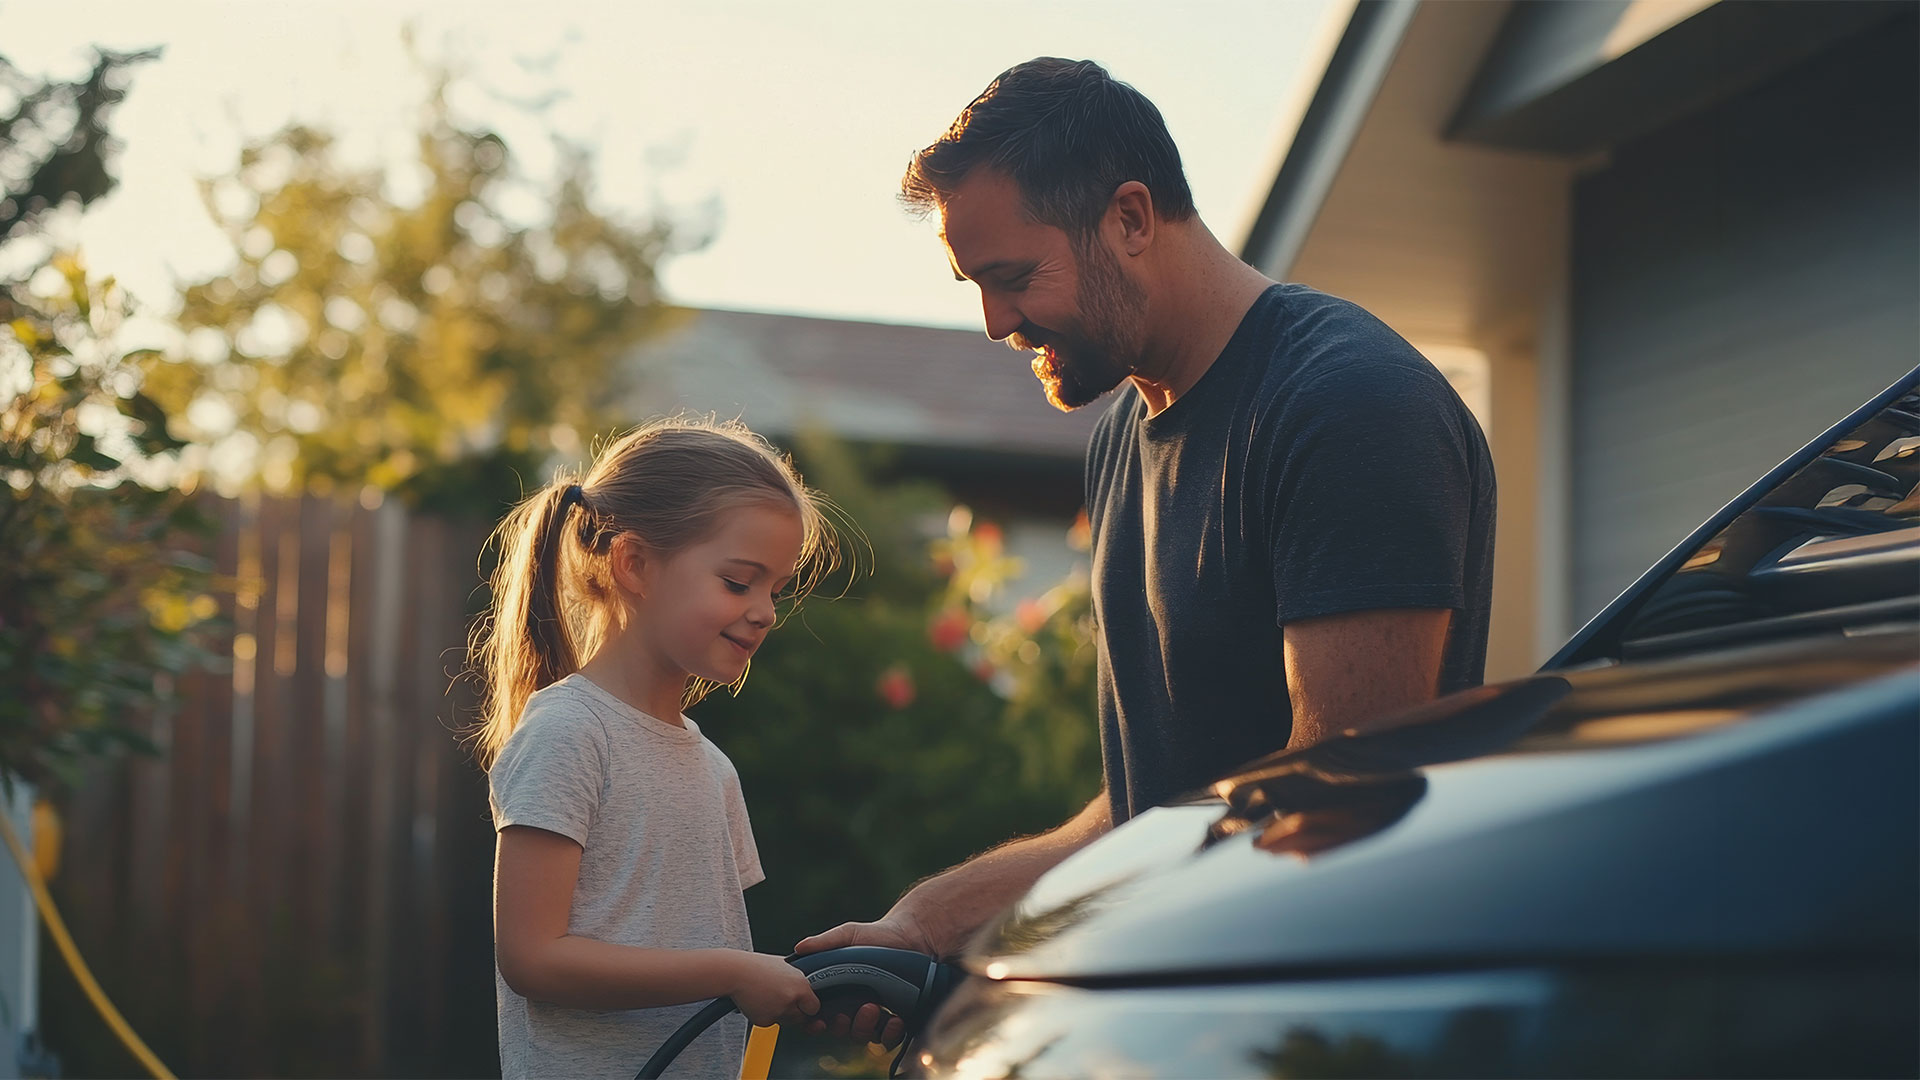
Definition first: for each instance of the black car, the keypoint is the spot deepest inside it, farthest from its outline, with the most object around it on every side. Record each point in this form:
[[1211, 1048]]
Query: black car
[[1688, 846]]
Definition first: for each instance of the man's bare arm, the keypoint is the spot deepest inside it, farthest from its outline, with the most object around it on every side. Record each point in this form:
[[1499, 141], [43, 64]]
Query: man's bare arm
[[1346, 671], [939, 914]]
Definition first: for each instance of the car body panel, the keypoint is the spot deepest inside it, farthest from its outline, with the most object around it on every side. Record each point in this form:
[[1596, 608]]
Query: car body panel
[[1813, 1019], [1641, 810]]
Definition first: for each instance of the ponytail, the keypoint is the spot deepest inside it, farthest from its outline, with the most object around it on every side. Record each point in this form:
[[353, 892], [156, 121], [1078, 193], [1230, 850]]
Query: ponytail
[[524, 643]]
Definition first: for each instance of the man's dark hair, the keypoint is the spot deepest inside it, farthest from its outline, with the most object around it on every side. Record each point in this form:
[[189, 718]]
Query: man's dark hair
[[1068, 134]]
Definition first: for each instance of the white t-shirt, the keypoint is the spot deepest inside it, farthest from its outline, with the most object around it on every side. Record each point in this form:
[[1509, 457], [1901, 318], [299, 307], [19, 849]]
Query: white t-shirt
[[666, 851]]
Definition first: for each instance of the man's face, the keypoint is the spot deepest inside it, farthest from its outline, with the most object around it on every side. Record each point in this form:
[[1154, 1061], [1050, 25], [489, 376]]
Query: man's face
[[1070, 304]]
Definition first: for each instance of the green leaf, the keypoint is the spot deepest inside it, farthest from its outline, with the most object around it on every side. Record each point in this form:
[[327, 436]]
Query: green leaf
[[153, 437], [86, 453]]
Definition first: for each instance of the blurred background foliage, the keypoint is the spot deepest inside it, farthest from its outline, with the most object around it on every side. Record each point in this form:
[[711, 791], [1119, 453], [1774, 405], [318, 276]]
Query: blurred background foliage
[[451, 344], [447, 346], [103, 583]]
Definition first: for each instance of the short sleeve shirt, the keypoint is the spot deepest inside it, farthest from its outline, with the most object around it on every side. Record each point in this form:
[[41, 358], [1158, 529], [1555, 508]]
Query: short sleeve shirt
[[1321, 465], [666, 850]]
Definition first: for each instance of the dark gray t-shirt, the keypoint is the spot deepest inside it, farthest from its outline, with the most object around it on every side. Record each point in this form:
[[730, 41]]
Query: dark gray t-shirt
[[1320, 465]]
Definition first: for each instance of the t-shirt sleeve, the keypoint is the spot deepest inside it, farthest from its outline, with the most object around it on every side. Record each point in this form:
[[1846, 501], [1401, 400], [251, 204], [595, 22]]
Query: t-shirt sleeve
[[746, 853], [551, 772], [1369, 505]]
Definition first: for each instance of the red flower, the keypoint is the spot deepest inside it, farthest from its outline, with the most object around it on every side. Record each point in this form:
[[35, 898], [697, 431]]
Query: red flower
[[895, 686], [989, 538], [948, 630]]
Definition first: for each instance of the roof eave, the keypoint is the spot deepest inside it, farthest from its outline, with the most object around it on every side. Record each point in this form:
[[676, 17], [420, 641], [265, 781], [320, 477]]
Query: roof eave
[[1339, 106]]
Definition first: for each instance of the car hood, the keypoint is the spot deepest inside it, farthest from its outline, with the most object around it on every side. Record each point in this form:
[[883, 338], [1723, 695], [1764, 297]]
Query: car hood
[[1758, 800]]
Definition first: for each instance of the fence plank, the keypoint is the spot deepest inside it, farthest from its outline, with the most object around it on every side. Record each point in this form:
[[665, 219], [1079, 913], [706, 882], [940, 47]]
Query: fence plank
[[208, 901], [302, 886], [385, 821], [357, 774], [304, 750]]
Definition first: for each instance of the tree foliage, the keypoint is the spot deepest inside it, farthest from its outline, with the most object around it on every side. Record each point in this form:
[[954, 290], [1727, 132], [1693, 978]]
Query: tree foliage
[[100, 590], [54, 144], [441, 346]]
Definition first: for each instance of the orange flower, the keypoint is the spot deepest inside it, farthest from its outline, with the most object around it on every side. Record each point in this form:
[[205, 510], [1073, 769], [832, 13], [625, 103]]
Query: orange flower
[[989, 537]]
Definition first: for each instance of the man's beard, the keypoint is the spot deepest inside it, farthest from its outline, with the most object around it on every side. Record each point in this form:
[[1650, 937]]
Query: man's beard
[[1111, 311]]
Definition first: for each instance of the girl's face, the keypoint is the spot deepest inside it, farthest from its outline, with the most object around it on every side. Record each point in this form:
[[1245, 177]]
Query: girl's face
[[706, 607]]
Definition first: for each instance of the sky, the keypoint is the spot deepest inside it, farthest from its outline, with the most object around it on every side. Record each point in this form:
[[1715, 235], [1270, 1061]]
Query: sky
[[786, 124]]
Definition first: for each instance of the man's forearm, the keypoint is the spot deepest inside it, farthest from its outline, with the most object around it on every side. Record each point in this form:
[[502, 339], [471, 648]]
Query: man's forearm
[[949, 907]]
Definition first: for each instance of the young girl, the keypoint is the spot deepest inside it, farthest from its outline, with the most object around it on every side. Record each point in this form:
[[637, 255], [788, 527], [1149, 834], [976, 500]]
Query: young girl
[[623, 841]]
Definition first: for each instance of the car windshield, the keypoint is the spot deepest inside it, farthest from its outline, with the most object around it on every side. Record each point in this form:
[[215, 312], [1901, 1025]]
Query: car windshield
[[1835, 545]]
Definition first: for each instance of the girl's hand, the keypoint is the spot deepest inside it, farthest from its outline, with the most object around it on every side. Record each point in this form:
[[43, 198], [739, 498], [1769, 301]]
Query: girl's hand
[[769, 990]]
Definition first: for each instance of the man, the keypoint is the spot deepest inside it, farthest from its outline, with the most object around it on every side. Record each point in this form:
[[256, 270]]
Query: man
[[1292, 511]]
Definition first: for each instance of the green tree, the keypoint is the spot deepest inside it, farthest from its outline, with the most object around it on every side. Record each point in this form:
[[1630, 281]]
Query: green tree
[[55, 149], [100, 589], [436, 347]]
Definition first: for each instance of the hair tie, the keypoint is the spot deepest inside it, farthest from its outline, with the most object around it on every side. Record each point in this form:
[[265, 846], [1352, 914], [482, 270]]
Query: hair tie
[[570, 496]]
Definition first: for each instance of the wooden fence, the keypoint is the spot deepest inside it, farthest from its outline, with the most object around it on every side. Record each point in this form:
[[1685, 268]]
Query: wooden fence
[[299, 884]]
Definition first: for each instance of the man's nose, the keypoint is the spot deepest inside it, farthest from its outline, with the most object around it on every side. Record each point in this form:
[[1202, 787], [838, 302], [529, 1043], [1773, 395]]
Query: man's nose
[[1002, 318]]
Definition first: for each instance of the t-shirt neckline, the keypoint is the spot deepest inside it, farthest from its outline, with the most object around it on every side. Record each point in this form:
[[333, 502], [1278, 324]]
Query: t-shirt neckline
[[1172, 419], [652, 723]]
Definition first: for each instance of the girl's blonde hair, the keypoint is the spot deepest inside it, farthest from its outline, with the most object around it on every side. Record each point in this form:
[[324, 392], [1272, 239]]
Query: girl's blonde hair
[[666, 482]]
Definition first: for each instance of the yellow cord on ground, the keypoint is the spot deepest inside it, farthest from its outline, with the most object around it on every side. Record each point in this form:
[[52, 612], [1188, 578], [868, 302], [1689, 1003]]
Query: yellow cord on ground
[[58, 929]]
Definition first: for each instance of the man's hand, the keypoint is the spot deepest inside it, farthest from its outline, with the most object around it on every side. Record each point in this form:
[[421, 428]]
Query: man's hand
[[1347, 671], [870, 1023]]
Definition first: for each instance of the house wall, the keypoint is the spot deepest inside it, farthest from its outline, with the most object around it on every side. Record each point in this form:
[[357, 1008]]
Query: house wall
[[1459, 245], [1741, 279]]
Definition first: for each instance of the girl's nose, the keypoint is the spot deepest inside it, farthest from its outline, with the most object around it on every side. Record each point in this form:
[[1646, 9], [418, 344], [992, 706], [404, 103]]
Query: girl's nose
[[761, 612]]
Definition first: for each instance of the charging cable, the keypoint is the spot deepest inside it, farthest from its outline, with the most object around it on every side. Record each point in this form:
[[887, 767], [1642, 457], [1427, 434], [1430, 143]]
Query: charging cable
[[57, 929]]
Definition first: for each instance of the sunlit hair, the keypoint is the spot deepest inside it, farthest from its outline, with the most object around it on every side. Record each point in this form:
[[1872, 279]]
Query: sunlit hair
[[1068, 134], [667, 484]]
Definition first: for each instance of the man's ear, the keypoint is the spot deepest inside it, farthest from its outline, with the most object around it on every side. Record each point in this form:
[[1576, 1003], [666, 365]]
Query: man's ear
[[1130, 213], [631, 563]]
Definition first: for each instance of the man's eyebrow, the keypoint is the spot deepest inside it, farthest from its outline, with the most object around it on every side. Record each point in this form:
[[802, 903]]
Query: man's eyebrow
[[982, 271]]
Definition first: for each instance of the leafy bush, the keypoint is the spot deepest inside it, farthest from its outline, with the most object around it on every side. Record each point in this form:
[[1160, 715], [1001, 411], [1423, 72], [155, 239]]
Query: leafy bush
[[101, 593]]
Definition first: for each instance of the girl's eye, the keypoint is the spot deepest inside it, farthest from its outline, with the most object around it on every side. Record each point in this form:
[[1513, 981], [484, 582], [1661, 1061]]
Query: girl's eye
[[736, 587]]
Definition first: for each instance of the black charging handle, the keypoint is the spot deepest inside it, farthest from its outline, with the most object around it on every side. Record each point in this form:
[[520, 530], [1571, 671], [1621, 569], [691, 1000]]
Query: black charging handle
[[908, 984]]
